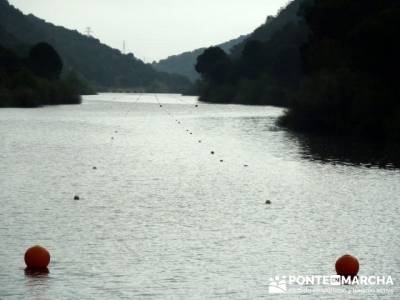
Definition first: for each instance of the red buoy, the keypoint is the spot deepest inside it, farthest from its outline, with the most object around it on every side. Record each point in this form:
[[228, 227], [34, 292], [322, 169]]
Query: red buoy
[[347, 265], [37, 258]]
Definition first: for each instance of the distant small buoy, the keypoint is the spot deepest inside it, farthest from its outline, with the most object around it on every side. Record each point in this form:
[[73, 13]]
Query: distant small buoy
[[112, 137], [212, 152], [268, 202], [347, 265], [37, 258], [116, 131], [199, 141], [160, 105], [76, 197], [196, 105], [191, 133], [245, 166], [221, 160], [94, 168]]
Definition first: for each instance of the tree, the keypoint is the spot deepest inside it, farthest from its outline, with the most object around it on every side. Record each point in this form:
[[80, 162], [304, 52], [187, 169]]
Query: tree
[[253, 58], [213, 64], [8, 59], [45, 62]]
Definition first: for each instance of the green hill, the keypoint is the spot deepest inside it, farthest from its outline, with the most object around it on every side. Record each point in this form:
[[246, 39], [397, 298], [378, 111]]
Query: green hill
[[263, 69], [99, 64], [184, 63], [273, 24]]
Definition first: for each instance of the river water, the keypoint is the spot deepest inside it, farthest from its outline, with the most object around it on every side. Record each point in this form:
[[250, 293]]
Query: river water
[[163, 218]]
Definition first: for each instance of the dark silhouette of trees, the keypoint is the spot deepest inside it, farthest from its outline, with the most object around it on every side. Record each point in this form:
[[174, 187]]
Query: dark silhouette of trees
[[8, 60], [264, 69], [333, 63], [214, 65], [23, 84], [253, 59], [351, 62], [45, 62]]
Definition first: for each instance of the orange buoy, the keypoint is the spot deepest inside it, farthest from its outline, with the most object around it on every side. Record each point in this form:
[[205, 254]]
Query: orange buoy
[[37, 258], [347, 265]]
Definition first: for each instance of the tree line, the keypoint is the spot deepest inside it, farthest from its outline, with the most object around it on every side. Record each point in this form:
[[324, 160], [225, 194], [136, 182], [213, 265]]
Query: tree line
[[334, 66], [35, 80]]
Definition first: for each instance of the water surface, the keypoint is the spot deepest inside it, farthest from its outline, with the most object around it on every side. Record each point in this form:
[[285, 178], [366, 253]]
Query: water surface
[[163, 218]]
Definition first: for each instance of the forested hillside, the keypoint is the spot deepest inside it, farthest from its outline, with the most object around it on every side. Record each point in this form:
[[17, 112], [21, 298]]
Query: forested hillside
[[351, 63], [100, 65], [184, 63], [333, 63], [285, 15], [266, 68]]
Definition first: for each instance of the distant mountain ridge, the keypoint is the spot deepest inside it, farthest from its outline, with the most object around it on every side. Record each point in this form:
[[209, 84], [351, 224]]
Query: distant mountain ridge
[[184, 63], [99, 64]]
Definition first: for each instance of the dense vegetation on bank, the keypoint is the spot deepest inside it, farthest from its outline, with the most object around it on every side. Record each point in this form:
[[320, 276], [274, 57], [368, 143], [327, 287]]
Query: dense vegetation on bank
[[35, 80], [101, 66], [334, 66], [351, 63]]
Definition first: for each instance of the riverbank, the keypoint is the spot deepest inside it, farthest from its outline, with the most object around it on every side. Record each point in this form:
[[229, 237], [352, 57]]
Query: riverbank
[[41, 94]]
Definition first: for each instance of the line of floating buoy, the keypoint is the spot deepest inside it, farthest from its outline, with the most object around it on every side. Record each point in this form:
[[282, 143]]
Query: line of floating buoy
[[179, 122], [191, 133]]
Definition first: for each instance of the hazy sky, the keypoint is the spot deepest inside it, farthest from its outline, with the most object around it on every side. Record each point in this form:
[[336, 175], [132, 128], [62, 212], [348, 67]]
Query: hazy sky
[[155, 29]]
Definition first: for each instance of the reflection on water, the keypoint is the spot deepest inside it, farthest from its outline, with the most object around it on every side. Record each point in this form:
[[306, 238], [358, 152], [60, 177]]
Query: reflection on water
[[37, 283], [347, 151], [37, 273]]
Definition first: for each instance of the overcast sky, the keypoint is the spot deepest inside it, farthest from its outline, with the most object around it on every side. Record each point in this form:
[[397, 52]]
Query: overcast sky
[[155, 29]]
